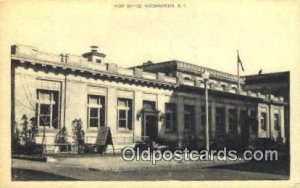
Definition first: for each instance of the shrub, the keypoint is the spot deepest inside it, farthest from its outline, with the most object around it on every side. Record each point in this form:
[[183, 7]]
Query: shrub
[[24, 139], [61, 138], [78, 135]]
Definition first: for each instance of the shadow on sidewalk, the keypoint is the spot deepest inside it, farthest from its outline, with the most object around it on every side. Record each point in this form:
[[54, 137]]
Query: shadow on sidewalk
[[18, 174], [271, 167]]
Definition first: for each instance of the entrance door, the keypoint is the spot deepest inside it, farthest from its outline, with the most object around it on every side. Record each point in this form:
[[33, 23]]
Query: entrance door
[[150, 127]]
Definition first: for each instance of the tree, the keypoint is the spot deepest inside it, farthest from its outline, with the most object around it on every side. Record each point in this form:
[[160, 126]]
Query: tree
[[25, 133]]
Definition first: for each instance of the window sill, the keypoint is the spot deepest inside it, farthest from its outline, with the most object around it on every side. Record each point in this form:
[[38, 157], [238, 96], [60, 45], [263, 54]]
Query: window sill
[[92, 130], [47, 131], [124, 131]]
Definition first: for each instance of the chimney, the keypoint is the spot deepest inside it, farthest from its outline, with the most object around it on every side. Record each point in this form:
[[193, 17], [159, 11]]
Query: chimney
[[94, 55], [94, 49]]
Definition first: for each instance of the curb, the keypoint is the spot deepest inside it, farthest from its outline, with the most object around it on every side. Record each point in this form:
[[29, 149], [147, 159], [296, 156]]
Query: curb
[[31, 158]]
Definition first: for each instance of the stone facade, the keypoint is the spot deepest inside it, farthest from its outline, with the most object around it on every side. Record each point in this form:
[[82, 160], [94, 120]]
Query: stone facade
[[129, 101]]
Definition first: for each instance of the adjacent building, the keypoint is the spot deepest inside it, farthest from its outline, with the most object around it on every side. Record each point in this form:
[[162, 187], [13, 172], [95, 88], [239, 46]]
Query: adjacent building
[[163, 101], [276, 84]]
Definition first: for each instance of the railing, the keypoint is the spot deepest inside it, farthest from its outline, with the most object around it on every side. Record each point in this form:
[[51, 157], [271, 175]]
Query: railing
[[148, 75], [200, 69], [216, 87], [75, 60], [94, 66], [170, 79], [78, 61], [29, 52], [123, 71], [188, 82]]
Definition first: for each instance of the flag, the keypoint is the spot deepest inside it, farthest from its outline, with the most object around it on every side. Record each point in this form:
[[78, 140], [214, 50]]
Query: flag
[[240, 62]]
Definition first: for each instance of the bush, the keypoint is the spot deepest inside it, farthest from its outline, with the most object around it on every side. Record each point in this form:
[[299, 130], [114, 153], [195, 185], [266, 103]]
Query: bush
[[61, 138], [78, 135], [24, 139]]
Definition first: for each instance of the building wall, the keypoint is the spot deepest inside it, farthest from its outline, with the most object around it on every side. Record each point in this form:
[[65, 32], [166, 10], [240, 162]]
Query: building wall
[[77, 88], [270, 131]]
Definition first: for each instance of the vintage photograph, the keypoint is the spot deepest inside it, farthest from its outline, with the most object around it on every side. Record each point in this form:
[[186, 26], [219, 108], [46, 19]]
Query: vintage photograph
[[150, 91]]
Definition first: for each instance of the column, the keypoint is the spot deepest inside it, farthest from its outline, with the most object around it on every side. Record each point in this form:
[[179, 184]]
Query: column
[[180, 121], [198, 127], [160, 107], [238, 119], [281, 117], [226, 118], [249, 124], [137, 122], [213, 120], [112, 110], [268, 121], [271, 123], [75, 104]]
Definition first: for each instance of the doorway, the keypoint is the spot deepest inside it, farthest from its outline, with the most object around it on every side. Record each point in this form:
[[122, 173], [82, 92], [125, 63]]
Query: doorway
[[150, 128]]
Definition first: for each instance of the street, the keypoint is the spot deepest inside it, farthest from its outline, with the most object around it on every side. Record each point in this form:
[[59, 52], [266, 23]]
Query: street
[[114, 168]]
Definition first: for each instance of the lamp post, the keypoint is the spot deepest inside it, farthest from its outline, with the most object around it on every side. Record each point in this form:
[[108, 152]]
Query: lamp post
[[205, 76]]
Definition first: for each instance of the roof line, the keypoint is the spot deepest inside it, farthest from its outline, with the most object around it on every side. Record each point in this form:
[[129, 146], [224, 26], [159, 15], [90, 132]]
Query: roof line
[[271, 73]]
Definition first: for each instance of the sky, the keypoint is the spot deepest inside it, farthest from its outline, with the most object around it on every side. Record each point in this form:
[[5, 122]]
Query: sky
[[206, 33]]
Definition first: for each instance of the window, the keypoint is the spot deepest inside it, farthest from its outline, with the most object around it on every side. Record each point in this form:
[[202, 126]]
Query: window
[[124, 114], [187, 120], [189, 117], [96, 111], [98, 60], [149, 105], [253, 121], [263, 119], [170, 120], [47, 108], [276, 122], [232, 121], [243, 117], [220, 121]]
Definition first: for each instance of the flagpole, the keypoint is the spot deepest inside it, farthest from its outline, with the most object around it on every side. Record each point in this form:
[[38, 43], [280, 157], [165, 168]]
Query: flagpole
[[238, 69]]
